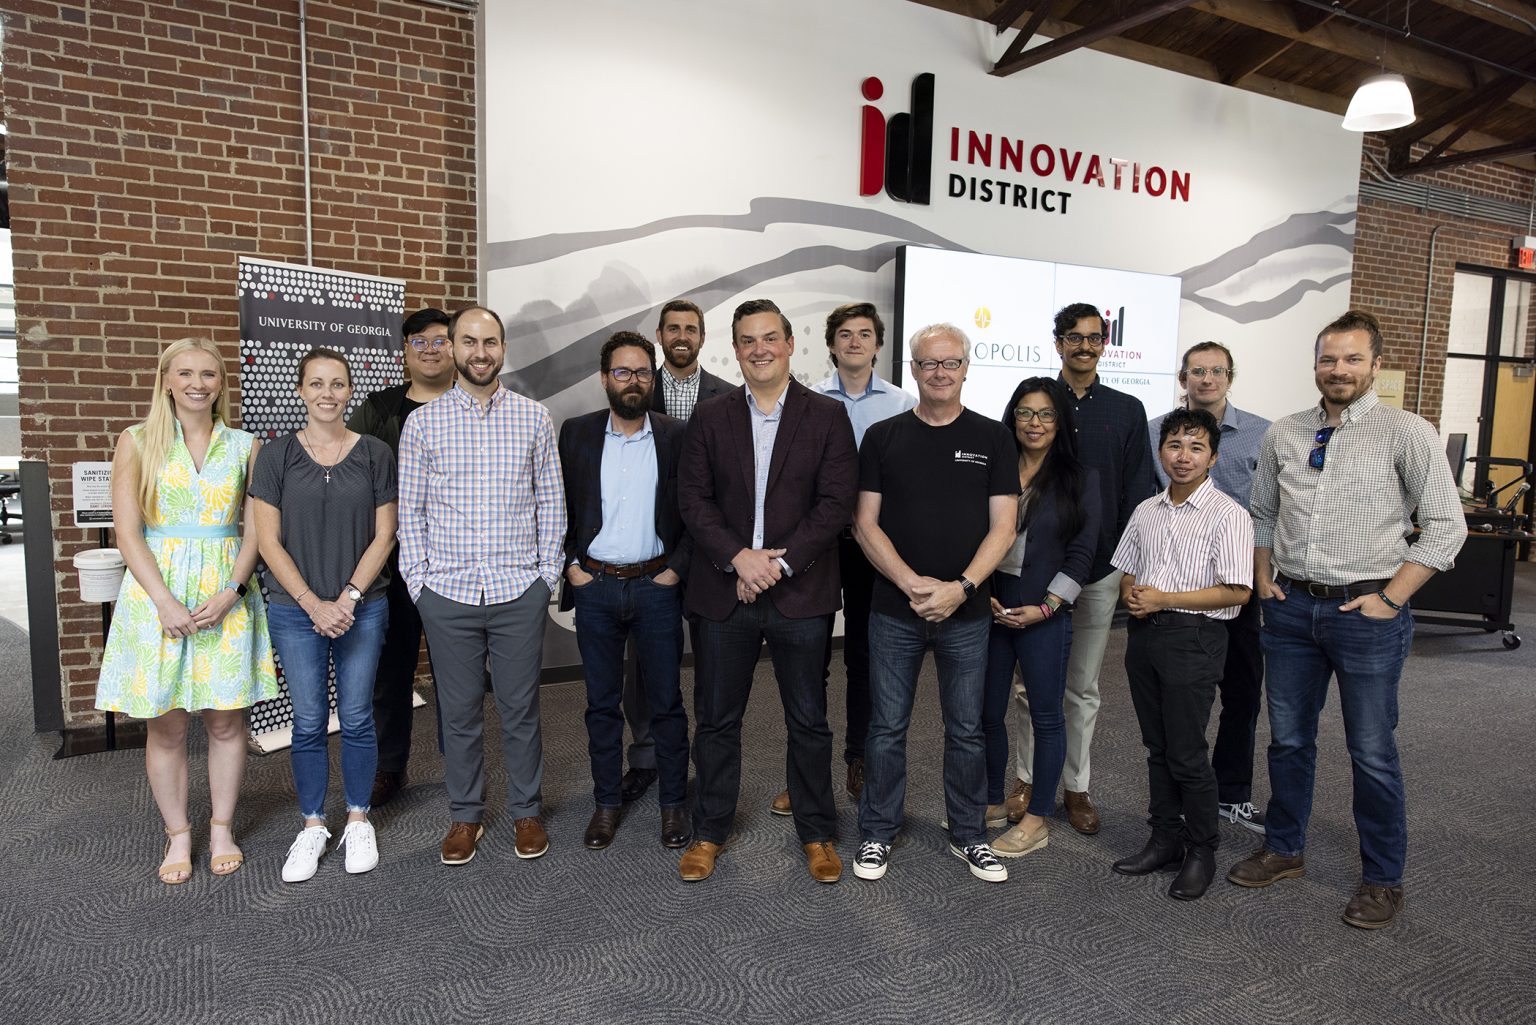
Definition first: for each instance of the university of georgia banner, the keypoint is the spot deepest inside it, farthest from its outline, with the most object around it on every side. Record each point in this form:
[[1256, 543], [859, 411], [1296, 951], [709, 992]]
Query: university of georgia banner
[[287, 309]]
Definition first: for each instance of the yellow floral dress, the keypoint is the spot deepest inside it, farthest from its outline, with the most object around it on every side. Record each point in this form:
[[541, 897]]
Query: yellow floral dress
[[194, 538]]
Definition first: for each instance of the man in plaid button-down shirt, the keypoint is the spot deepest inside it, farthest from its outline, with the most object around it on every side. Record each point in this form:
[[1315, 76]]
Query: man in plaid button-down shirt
[[482, 526]]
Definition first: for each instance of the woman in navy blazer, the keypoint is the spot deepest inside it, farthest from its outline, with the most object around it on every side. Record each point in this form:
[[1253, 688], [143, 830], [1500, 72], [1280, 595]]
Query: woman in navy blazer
[[1032, 592]]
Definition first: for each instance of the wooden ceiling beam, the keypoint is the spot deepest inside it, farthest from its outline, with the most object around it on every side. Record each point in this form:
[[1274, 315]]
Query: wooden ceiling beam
[[1510, 14], [1088, 35], [1520, 148], [1251, 59], [1008, 12]]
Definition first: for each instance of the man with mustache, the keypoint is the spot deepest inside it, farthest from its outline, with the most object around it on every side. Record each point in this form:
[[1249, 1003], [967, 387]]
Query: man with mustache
[[429, 359], [1111, 438], [766, 485], [626, 553], [482, 526], [1333, 502], [680, 384]]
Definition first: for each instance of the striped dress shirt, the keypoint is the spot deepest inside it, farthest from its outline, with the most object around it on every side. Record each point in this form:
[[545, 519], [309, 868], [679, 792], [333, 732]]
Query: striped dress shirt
[[1204, 541], [482, 500], [1351, 520]]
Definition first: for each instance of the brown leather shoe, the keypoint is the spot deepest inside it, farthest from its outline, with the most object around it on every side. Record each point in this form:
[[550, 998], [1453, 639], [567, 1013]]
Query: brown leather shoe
[[1081, 814], [698, 861], [1264, 867], [1374, 907], [385, 786], [532, 841], [1017, 801], [675, 827], [459, 844], [780, 805], [605, 823], [855, 778], [823, 860]]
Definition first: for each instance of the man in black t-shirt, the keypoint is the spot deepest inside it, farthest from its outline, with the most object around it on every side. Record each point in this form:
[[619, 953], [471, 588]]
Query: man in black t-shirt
[[938, 497]]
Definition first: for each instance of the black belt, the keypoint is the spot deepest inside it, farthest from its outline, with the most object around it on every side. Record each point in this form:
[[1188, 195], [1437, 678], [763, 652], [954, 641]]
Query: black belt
[[1178, 619], [627, 571], [1348, 592]]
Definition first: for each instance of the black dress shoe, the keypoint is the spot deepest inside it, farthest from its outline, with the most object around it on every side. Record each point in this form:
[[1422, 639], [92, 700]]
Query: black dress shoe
[[1159, 855], [675, 826], [605, 823], [1195, 874], [385, 786], [635, 783]]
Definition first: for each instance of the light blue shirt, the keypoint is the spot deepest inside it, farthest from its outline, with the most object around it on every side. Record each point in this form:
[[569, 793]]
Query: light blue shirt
[[880, 401], [765, 428], [1236, 459], [629, 478]]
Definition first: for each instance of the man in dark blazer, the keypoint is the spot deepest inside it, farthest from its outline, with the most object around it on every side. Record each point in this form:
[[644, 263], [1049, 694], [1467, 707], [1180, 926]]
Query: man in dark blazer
[[766, 485], [626, 555], [680, 385]]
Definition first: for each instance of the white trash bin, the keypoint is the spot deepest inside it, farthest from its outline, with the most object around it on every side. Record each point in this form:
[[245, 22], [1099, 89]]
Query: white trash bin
[[101, 573]]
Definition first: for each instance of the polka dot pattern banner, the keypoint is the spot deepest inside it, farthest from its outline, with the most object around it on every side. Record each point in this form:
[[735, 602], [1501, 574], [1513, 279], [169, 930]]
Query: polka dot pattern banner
[[286, 310]]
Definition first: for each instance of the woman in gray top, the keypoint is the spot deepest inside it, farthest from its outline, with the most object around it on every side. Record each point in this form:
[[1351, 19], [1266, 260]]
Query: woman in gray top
[[325, 517]]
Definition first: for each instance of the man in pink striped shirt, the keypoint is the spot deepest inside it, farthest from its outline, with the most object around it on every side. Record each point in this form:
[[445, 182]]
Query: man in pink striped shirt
[[1185, 556]]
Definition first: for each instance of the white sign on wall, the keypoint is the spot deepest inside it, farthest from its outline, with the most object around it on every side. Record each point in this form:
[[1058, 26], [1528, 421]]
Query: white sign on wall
[[729, 151], [91, 488]]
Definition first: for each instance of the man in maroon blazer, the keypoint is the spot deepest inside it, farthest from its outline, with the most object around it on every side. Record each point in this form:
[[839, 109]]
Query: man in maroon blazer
[[766, 483]]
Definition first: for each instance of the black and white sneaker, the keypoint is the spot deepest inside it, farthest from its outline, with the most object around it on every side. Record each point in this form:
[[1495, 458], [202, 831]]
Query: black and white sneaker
[[872, 859], [1245, 815], [984, 864]]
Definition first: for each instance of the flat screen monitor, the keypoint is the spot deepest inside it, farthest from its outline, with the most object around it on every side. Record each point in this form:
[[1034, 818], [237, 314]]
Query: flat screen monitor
[[1456, 455], [1006, 305]]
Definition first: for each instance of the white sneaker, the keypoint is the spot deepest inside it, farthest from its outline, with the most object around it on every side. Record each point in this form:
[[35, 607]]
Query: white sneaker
[[305, 854], [362, 849]]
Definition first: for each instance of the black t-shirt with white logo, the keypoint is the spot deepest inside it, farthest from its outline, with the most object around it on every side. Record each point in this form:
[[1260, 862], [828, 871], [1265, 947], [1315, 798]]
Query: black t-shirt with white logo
[[935, 485]]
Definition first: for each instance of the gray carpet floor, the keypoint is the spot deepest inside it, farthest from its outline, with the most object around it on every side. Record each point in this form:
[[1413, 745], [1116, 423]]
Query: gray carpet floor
[[612, 936]]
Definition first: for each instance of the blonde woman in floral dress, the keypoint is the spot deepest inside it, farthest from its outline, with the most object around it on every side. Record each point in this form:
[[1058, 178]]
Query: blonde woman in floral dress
[[190, 632]]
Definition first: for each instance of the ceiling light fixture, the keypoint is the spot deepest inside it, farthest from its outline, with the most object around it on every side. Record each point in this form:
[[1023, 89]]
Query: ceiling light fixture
[[1382, 102]]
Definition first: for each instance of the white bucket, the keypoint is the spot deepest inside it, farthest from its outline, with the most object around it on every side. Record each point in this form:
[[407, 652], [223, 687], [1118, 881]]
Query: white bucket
[[101, 573]]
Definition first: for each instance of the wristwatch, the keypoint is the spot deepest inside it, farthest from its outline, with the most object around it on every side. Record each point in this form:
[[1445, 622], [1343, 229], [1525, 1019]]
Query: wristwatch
[[968, 587], [237, 587], [352, 592]]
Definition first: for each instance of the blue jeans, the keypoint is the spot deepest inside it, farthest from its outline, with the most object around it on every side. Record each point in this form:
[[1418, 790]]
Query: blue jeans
[[896, 649], [1306, 641], [1041, 652], [305, 657], [609, 610]]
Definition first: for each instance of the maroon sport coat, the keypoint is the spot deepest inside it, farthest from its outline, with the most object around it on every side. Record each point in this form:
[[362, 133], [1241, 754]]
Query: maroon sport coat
[[813, 483]]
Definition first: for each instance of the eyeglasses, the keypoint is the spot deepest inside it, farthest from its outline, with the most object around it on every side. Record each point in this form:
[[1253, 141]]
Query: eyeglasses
[[1320, 453], [428, 344], [1024, 415], [1217, 372], [1077, 339], [623, 374], [928, 366]]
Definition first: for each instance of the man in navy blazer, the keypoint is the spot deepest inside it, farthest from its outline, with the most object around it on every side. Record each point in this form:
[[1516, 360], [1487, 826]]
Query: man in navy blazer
[[626, 555], [766, 485]]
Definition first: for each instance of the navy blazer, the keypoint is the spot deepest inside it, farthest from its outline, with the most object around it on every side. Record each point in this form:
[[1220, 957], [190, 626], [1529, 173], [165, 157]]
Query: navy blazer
[[581, 462], [1044, 553], [812, 486], [709, 387]]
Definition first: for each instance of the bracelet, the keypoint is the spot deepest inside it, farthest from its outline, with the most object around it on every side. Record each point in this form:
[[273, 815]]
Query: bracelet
[[1046, 610], [1394, 606], [301, 597]]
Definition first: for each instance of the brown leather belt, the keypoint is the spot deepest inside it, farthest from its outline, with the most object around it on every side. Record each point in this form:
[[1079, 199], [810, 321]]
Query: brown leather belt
[[1348, 592], [626, 572]]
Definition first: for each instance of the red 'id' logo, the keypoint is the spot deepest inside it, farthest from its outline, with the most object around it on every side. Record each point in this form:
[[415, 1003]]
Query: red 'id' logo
[[897, 153]]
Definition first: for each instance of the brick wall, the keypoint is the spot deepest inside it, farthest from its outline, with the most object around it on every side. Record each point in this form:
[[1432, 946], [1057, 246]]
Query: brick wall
[[150, 144], [1392, 253]]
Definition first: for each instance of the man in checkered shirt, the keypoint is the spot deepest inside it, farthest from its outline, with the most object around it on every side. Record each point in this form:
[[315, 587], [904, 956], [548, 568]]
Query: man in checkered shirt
[[1333, 496]]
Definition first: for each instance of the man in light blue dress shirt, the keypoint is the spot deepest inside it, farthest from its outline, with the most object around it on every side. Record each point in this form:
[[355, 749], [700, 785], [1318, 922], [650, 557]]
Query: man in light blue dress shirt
[[855, 335], [1206, 374]]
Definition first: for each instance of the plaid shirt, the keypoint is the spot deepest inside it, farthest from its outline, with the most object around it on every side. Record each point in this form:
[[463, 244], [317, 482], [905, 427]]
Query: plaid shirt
[[482, 500], [1351, 520], [680, 396]]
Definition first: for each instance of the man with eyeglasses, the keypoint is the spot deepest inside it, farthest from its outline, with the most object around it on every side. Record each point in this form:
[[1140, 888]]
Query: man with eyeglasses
[[1334, 497], [938, 496], [626, 553], [429, 360], [1206, 373], [1112, 439]]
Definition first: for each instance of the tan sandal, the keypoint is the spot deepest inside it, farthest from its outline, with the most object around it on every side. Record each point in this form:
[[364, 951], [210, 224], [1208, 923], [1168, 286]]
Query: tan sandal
[[175, 868], [224, 864]]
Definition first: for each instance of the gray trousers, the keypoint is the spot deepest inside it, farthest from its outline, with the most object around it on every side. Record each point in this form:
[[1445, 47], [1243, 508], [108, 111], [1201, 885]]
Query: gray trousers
[[511, 636], [1092, 615]]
